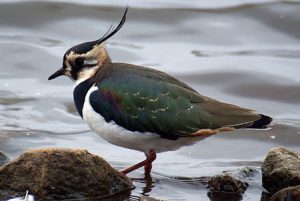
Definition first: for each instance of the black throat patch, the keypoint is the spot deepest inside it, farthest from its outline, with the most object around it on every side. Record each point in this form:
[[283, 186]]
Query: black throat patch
[[79, 94]]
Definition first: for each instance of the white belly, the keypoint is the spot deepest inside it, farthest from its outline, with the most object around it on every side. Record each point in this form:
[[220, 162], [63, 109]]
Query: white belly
[[117, 135]]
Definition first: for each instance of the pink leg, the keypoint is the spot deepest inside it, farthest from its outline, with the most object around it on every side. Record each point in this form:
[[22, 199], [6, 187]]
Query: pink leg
[[150, 157]]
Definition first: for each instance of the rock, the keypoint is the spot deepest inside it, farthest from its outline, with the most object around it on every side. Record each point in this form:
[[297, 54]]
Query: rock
[[287, 194], [3, 159], [58, 174], [232, 181], [265, 196], [280, 169], [227, 183], [147, 198]]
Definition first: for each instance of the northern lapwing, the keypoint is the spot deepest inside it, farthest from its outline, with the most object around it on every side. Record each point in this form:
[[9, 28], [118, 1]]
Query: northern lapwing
[[144, 109]]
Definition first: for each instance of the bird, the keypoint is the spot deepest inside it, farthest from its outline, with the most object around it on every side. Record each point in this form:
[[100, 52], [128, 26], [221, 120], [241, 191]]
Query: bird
[[144, 109]]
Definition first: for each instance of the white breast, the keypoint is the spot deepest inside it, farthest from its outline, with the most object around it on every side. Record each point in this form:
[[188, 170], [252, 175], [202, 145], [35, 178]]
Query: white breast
[[117, 135]]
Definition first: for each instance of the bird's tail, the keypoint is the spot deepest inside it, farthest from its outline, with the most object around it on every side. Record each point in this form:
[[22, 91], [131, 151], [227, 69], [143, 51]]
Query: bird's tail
[[263, 122]]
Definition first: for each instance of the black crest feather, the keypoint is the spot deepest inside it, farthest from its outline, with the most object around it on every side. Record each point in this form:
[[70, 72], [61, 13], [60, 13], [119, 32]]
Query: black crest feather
[[110, 33], [87, 46]]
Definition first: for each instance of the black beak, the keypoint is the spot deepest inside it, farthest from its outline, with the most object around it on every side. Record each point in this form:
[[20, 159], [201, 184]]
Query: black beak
[[58, 73]]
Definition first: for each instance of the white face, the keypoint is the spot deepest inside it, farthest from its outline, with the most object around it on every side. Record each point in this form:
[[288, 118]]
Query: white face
[[80, 67]]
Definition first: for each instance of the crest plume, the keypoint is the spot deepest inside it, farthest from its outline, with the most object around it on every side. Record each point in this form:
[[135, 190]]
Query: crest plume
[[111, 31], [87, 46]]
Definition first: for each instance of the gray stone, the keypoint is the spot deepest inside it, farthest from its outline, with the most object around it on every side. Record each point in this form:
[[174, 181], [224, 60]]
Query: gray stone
[[3, 159], [58, 174], [280, 169], [287, 194]]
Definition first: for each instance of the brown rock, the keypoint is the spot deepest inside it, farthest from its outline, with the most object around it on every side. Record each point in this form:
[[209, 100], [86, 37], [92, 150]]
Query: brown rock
[[57, 174], [232, 181], [227, 183], [287, 194], [281, 169], [147, 198]]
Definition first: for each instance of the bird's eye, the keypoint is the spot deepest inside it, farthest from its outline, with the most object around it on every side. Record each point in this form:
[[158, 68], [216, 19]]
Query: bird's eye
[[79, 61]]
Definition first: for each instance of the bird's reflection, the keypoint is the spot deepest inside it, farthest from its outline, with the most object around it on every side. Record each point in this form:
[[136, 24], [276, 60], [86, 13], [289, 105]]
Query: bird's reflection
[[148, 184]]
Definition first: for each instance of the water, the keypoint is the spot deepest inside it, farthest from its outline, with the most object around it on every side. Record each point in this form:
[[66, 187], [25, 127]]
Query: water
[[242, 52]]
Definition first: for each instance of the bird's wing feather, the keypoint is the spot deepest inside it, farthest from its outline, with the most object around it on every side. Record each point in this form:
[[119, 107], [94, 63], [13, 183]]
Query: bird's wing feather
[[149, 102]]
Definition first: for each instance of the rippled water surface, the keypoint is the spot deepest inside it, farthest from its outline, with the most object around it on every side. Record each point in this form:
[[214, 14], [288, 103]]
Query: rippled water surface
[[243, 52]]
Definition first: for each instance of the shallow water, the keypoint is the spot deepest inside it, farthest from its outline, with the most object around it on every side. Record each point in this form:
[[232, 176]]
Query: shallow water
[[243, 52]]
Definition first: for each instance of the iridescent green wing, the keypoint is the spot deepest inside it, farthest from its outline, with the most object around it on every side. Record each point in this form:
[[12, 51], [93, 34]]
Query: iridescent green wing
[[151, 101]]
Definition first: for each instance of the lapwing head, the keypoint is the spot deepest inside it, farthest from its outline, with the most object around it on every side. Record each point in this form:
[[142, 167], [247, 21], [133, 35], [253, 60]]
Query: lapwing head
[[84, 60]]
